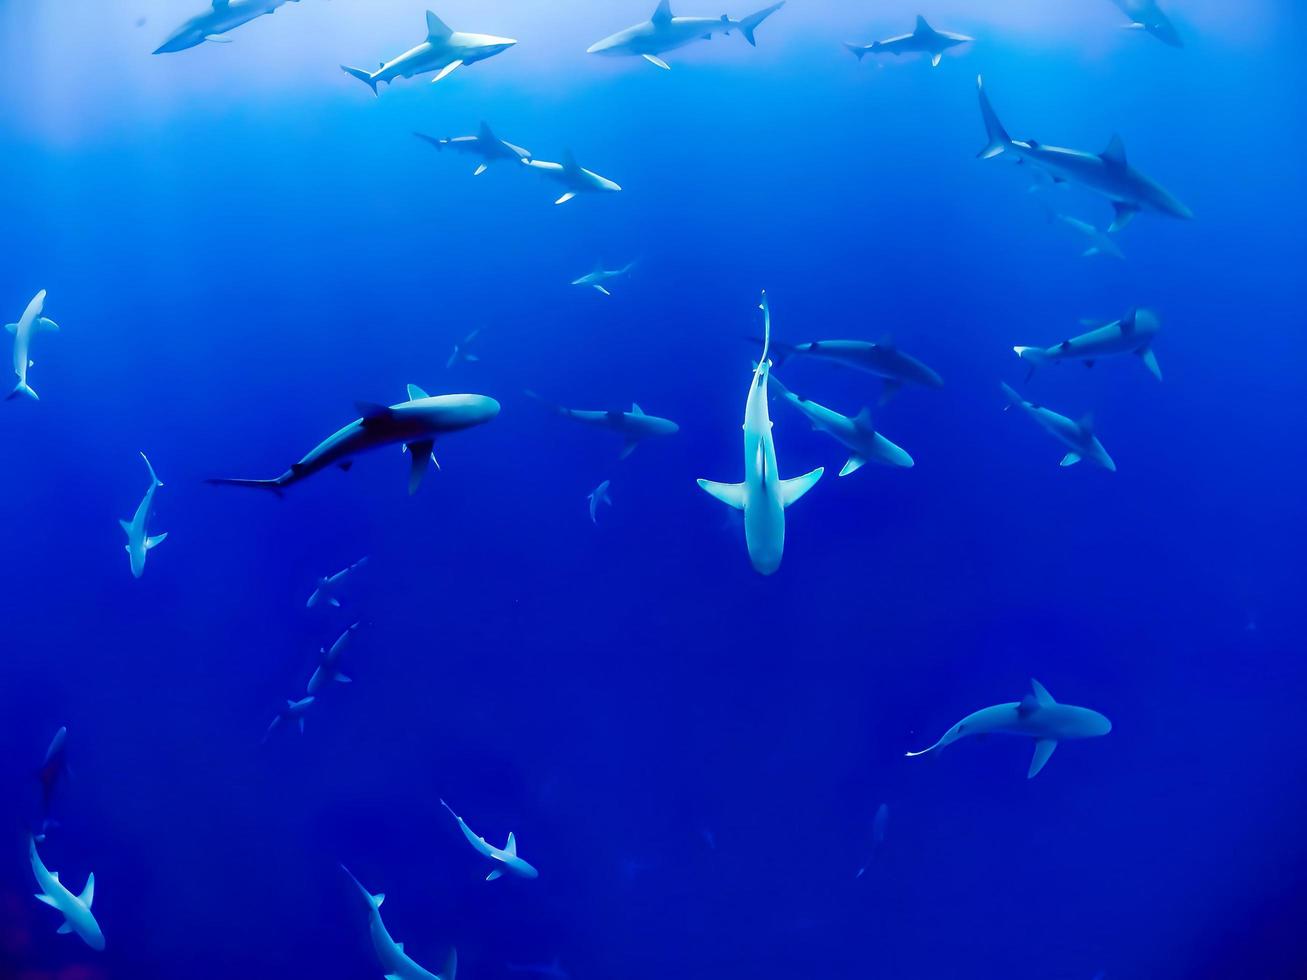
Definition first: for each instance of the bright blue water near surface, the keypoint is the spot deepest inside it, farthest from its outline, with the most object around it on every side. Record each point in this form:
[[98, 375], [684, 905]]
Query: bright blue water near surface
[[237, 247]]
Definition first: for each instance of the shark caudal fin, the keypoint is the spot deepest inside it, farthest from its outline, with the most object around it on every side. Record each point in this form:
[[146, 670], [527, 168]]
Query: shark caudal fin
[[750, 24], [363, 76], [859, 51], [994, 131], [23, 388]]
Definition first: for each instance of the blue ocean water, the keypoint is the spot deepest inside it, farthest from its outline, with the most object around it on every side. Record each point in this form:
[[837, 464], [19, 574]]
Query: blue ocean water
[[239, 242]]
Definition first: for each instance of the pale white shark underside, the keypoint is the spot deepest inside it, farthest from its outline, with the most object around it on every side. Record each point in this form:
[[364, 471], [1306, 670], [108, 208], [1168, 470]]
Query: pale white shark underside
[[76, 909], [28, 325], [139, 540]]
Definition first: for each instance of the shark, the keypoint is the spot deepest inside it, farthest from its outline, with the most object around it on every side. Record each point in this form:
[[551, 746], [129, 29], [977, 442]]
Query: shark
[[139, 540], [390, 954], [328, 588], [763, 496], [879, 825], [665, 32], [884, 360], [857, 434], [485, 146], [924, 39], [76, 909], [1108, 173], [1132, 334], [28, 325], [505, 858], [1035, 716], [414, 424], [1146, 15], [632, 426], [54, 768], [1099, 242], [597, 496], [214, 23], [462, 354], [1078, 437], [574, 178], [596, 278], [294, 713], [328, 668], [444, 51]]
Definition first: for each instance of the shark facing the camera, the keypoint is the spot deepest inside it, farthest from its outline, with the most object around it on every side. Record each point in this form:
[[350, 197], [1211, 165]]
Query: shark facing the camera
[[763, 496], [1108, 173], [1078, 437], [665, 32], [485, 145], [414, 424], [1132, 334], [443, 52], [924, 39], [223, 16], [1035, 716]]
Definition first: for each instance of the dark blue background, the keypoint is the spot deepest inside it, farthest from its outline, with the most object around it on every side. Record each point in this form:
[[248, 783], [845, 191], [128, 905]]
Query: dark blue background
[[690, 753]]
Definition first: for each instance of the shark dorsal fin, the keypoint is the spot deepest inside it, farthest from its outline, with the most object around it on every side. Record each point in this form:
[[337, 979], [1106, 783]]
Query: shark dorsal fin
[[636, 409], [485, 133], [864, 421], [1040, 693], [1128, 323], [511, 846], [663, 13], [1086, 422], [414, 393], [922, 26], [437, 29], [1115, 152], [569, 162]]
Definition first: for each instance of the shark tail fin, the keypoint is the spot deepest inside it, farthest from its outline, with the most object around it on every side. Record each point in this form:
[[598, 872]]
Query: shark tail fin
[[750, 24], [997, 135], [859, 51], [23, 388], [220, 481], [363, 76]]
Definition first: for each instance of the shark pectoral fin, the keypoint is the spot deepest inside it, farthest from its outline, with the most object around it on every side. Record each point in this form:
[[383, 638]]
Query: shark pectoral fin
[[731, 494], [126, 526], [447, 70], [628, 448], [65, 929], [602, 290], [481, 168], [566, 197], [418, 453], [1124, 212], [1043, 752], [935, 59], [854, 464], [497, 873], [1070, 459], [795, 487], [889, 390], [45, 325], [655, 60], [155, 540], [11, 327], [1150, 362], [47, 899], [341, 678]]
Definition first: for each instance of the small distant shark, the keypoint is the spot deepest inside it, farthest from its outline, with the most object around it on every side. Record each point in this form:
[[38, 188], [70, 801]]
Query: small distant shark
[[633, 426], [1132, 334], [414, 424], [597, 496], [1100, 242], [857, 434], [223, 16], [664, 32], [76, 909], [53, 769], [485, 145], [574, 178], [139, 541], [1107, 173], [329, 586], [328, 669], [763, 495], [884, 360], [443, 52], [924, 39], [390, 954], [29, 324], [461, 354], [1078, 437], [293, 713], [505, 858], [879, 825], [1146, 15], [600, 275], [1036, 716]]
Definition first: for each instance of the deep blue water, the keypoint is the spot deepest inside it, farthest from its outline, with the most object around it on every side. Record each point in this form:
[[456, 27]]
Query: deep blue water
[[691, 753]]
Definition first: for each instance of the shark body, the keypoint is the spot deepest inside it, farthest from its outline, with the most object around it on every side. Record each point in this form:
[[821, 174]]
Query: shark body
[[923, 39], [443, 52], [139, 540], [76, 909], [212, 24], [664, 32], [28, 325]]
